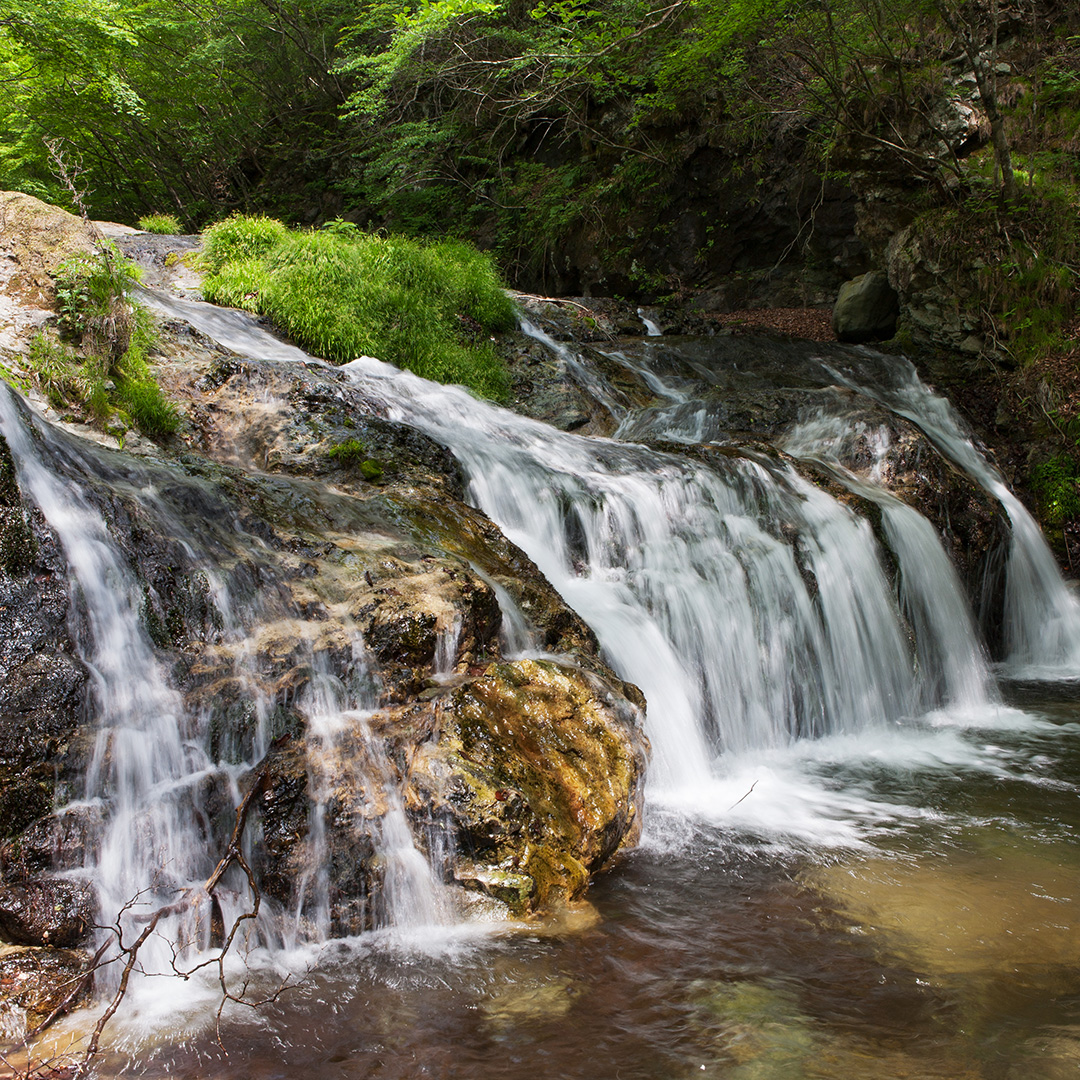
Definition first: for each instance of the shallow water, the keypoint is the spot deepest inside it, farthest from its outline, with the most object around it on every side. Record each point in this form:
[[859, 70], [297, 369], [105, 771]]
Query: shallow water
[[920, 917]]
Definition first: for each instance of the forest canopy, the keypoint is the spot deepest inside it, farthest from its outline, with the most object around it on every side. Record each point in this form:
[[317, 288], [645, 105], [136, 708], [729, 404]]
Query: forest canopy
[[510, 122]]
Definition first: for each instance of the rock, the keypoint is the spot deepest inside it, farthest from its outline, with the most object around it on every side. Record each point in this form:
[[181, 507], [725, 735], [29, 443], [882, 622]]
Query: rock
[[34, 982], [538, 770], [525, 779], [47, 911], [866, 309], [34, 239]]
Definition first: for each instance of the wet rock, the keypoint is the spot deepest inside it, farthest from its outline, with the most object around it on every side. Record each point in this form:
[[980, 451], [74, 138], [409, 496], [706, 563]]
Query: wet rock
[[63, 840], [525, 780], [47, 911], [866, 309], [538, 770], [34, 982], [42, 681]]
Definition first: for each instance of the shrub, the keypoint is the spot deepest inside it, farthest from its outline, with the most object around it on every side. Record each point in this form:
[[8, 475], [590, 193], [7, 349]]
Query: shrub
[[166, 224], [108, 376], [341, 293], [92, 299]]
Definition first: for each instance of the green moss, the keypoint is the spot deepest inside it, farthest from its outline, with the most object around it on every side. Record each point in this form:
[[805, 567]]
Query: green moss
[[1055, 485], [353, 454]]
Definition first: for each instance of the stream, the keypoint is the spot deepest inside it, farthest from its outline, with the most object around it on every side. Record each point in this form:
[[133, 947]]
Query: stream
[[859, 855]]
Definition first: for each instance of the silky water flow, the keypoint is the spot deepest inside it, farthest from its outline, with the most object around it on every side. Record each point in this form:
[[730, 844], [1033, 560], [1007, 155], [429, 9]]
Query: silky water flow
[[859, 857]]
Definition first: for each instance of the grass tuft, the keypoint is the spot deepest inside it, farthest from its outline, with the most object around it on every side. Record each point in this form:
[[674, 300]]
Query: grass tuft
[[342, 293], [165, 224]]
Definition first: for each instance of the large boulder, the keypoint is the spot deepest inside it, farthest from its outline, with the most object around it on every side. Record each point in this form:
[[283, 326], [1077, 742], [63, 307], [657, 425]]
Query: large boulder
[[866, 309]]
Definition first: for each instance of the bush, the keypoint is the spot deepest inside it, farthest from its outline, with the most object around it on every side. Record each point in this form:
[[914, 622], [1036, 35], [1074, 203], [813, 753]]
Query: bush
[[107, 377], [93, 302], [166, 224], [341, 293]]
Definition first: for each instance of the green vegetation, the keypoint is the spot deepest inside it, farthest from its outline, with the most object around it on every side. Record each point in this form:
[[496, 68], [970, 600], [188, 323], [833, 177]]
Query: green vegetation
[[1056, 485], [352, 454], [534, 127], [165, 224], [101, 369], [342, 293]]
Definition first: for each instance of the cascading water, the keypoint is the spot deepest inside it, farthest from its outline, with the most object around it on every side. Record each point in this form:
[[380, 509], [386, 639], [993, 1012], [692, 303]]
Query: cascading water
[[795, 694], [952, 661], [1042, 621], [144, 762], [153, 762], [750, 607]]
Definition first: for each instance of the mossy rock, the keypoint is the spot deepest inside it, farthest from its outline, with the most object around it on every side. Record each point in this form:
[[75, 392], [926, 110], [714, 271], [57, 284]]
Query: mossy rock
[[539, 767]]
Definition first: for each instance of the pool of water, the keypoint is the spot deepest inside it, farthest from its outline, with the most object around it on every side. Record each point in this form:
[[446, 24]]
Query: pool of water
[[916, 915]]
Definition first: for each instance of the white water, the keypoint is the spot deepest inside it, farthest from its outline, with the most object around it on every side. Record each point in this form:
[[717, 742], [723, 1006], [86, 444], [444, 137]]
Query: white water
[[952, 661], [751, 608], [151, 758], [348, 760], [143, 764], [1042, 615]]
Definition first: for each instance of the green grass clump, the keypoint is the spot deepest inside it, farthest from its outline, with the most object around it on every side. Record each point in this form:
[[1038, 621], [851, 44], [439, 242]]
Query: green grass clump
[[238, 284], [100, 370], [342, 293], [239, 238], [165, 224]]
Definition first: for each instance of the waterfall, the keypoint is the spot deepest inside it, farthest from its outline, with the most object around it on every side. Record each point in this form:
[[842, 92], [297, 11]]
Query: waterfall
[[952, 661], [152, 756], [750, 607], [347, 756], [144, 764], [1042, 616]]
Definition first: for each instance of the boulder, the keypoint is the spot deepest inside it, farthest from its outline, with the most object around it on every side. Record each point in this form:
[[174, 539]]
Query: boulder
[[47, 911], [34, 982], [866, 309]]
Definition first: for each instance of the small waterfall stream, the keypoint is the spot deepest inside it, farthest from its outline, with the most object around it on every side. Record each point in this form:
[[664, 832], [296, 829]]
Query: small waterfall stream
[[1042, 615], [793, 654], [144, 761]]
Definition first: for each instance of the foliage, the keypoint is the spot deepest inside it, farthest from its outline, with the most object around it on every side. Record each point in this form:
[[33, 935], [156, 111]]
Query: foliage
[[107, 376], [240, 237], [428, 307], [165, 224], [122, 395], [192, 106], [92, 299], [1056, 485]]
